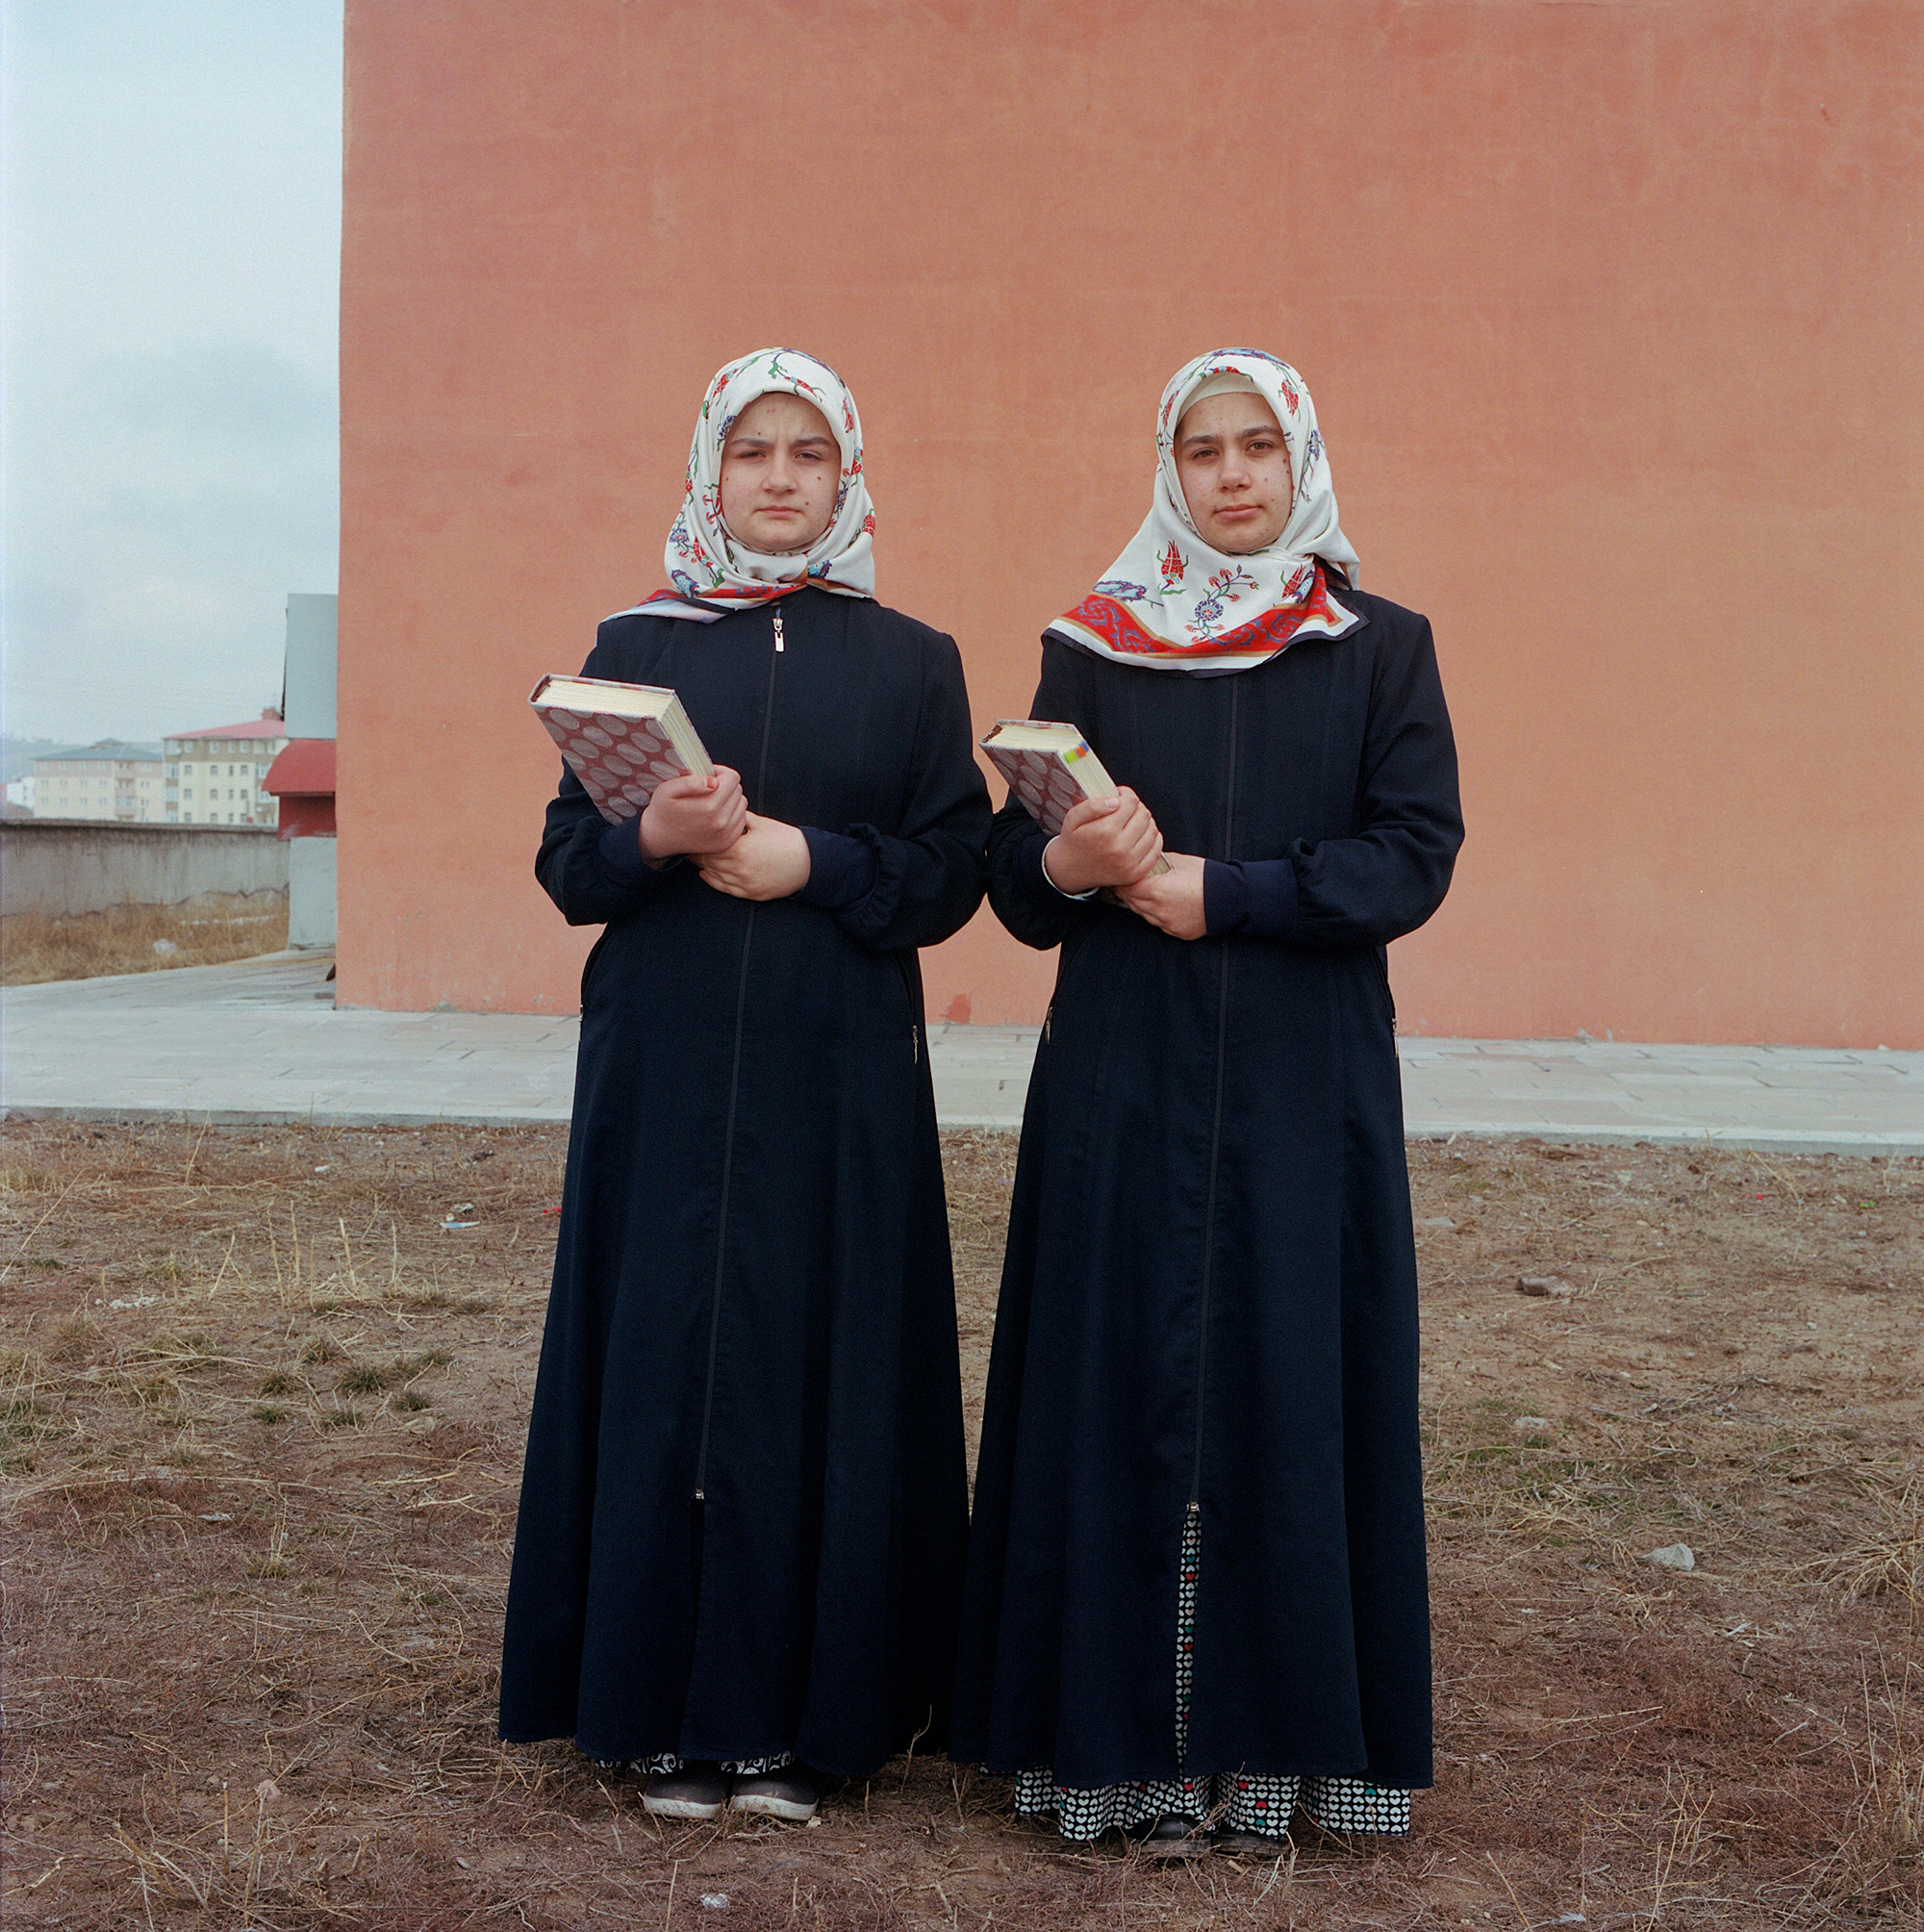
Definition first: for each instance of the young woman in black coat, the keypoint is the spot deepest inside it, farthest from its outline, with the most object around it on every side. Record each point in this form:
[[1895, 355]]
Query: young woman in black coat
[[743, 1516], [1196, 1587]]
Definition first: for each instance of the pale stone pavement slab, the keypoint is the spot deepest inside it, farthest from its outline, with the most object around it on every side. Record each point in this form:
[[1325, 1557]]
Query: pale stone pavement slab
[[262, 1041]]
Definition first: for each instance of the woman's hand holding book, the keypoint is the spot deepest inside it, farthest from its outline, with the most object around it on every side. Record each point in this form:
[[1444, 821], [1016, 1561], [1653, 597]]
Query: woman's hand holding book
[[696, 816], [1111, 842], [737, 850]]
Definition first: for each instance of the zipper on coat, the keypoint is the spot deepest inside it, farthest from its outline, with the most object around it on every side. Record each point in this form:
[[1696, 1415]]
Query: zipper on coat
[[734, 1096], [1215, 1132]]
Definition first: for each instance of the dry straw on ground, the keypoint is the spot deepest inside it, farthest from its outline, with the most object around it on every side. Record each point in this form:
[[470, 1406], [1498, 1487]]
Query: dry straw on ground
[[263, 1419], [35, 947]]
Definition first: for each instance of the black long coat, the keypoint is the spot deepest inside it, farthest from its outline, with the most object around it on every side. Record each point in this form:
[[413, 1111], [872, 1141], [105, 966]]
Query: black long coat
[[1209, 1295], [744, 1511]]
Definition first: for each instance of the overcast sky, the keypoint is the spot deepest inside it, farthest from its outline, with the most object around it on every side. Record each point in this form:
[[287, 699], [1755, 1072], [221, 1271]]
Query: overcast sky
[[172, 253]]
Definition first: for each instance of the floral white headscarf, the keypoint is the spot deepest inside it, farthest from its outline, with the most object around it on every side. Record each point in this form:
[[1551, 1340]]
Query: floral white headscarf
[[1172, 602], [713, 573]]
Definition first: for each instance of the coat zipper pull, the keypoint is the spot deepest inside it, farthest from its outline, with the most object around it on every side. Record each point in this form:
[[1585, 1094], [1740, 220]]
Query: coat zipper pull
[[779, 646], [1046, 1018], [915, 1045]]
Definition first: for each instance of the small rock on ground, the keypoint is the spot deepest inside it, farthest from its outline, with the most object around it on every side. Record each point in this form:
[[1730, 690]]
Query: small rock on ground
[[1673, 1556]]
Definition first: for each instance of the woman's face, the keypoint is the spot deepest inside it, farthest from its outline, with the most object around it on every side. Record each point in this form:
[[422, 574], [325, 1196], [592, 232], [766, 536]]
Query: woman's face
[[780, 469], [1234, 469]]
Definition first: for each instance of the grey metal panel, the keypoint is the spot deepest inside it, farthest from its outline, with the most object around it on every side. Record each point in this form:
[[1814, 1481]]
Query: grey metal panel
[[311, 892], [313, 630]]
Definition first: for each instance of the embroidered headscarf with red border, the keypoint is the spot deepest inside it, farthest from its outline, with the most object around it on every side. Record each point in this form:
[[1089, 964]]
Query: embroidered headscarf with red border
[[1171, 601], [712, 573]]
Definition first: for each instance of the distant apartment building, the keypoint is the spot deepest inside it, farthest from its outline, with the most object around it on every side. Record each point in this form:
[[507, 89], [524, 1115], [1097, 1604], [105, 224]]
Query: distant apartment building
[[111, 780], [20, 791], [215, 775]]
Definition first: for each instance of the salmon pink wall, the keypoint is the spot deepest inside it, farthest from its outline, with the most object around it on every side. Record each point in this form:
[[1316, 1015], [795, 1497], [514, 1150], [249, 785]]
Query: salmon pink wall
[[1610, 314]]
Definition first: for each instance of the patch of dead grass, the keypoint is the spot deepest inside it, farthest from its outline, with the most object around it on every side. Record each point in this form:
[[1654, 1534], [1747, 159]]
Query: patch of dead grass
[[253, 1650], [1888, 1554], [202, 931]]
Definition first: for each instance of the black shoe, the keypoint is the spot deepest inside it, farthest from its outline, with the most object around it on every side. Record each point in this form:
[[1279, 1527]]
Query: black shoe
[[790, 1795], [1171, 1836], [695, 1792]]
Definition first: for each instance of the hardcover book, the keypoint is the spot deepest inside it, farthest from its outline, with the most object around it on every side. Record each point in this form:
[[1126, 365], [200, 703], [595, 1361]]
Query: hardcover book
[[1051, 768], [619, 740]]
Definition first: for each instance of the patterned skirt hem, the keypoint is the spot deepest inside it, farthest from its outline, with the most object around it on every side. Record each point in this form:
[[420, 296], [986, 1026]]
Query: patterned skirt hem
[[667, 1763], [1231, 1801]]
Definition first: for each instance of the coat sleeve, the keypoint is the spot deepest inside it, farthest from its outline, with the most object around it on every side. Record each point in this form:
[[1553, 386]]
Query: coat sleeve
[[916, 885], [1024, 900], [1387, 878], [592, 871]]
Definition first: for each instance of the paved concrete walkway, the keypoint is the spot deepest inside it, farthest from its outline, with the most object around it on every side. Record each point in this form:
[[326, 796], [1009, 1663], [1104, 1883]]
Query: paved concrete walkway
[[261, 1041]]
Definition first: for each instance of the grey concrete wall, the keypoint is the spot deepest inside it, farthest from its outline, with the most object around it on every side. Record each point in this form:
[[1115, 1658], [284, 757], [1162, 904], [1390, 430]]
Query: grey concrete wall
[[53, 866]]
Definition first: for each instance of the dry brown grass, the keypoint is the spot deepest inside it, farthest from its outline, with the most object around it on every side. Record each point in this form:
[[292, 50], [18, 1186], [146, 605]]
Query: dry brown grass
[[261, 1432], [203, 931]]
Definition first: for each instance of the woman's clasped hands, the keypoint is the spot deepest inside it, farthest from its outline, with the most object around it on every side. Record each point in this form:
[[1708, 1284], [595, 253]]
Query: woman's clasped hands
[[1116, 843], [736, 852]]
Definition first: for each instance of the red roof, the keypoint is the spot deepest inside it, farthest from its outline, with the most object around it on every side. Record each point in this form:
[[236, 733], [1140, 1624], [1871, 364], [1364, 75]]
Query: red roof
[[267, 725], [303, 769]]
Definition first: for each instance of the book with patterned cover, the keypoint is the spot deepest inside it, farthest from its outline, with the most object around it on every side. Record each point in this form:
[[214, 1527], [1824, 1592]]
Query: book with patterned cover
[[619, 740], [1051, 768]]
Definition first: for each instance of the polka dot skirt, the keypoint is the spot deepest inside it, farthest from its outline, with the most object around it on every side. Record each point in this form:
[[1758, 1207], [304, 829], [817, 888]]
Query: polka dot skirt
[[1234, 1800]]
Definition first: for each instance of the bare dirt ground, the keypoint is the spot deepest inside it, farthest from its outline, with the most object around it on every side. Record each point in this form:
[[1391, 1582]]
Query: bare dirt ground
[[203, 931], [262, 1427]]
